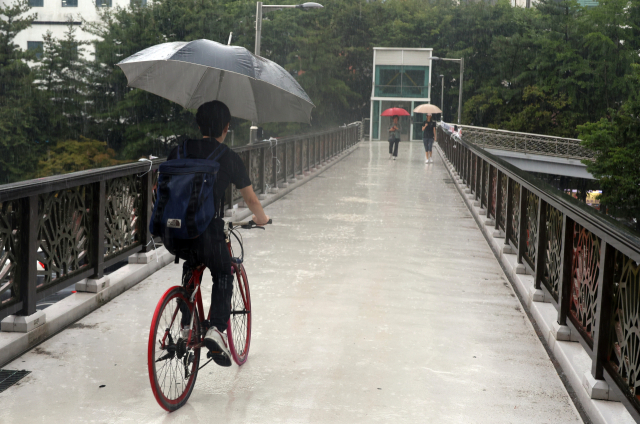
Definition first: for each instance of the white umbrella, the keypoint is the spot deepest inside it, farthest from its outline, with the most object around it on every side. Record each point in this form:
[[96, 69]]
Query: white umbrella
[[427, 108]]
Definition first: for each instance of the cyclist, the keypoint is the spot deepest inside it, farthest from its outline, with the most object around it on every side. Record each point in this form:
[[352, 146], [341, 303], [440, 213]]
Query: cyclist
[[209, 248]]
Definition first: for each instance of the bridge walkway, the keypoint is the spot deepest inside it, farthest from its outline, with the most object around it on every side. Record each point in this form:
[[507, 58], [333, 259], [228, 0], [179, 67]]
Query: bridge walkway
[[375, 299]]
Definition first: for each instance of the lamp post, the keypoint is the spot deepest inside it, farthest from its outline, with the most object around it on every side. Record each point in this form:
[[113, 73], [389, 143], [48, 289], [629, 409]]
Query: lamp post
[[461, 61], [442, 97], [260, 8]]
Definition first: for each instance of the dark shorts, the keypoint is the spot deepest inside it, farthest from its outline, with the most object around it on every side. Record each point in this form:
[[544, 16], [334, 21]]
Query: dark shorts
[[428, 144]]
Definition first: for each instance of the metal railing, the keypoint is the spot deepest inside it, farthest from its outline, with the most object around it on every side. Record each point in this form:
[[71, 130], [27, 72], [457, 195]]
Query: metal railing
[[59, 230], [586, 263], [526, 143]]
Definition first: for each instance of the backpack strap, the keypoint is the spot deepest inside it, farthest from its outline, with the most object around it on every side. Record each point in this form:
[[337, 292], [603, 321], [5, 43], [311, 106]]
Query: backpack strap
[[222, 148]]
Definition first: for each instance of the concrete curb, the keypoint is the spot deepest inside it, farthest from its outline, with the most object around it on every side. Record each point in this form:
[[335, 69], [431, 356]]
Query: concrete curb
[[74, 307], [570, 355]]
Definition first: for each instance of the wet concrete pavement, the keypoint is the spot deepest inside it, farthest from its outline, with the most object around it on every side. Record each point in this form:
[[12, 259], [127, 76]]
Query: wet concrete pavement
[[375, 299]]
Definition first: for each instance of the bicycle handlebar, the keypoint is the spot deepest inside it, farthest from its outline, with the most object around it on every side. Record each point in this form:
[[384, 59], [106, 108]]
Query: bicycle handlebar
[[248, 225]]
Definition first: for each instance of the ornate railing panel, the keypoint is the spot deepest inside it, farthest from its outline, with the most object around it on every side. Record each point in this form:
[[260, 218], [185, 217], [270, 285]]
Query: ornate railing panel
[[553, 251], [503, 195], [515, 217], [526, 143], [624, 345], [588, 263], [124, 202], [584, 279], [485, 179], [532, 228], [63, 234], [10, 216], [494, 192], [56, 231]]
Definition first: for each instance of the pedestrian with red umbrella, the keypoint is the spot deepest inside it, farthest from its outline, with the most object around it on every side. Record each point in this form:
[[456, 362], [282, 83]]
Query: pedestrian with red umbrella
[[394, 129]]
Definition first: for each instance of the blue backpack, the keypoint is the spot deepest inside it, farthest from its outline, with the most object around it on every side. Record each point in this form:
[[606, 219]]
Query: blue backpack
[[185, 202]]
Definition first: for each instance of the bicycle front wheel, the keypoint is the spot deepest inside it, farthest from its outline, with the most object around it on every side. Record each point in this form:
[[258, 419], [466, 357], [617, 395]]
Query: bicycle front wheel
[[239, 325], [173, 362]]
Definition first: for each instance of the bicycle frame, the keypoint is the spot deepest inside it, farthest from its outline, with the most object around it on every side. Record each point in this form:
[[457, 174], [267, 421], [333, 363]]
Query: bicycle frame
[[193, 289]]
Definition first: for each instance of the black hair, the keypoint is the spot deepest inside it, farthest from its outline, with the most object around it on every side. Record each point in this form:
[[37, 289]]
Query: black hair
[[212, 117], [394, 117]]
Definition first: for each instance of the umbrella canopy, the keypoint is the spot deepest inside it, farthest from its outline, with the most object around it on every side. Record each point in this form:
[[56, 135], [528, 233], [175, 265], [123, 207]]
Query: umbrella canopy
[[395, 111], [427, 108], [195, 72]]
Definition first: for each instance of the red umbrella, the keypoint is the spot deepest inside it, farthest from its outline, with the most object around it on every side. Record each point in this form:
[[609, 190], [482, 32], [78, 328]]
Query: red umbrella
[[395, 111]]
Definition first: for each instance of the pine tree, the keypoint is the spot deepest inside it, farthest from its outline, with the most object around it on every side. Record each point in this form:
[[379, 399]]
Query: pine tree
[[21, 110]]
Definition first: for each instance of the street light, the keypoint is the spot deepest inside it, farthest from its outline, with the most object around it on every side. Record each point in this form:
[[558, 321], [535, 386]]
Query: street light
[[442, 97], [266, 8], [461, 60]]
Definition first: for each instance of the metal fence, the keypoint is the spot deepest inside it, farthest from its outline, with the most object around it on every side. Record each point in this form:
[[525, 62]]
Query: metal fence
[[58, 230], [526, 143], [587, 263]]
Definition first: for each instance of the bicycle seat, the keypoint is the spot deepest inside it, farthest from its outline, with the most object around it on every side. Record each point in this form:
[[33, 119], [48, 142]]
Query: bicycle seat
[[236, 260]]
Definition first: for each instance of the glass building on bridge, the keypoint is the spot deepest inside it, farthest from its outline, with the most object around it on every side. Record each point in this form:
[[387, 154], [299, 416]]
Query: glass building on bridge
[[401, 78]]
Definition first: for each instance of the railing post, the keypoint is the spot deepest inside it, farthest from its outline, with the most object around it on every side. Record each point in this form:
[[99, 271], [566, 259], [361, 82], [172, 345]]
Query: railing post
[[308, 154], [477, 176], [98, 208], [274, 166], [481, 188], [603, 310], [147, 206], [286, 162], [522, 236], [509, 216], [27, 270], [301, 161], [293, 152], [499, 199], [542, 242], [566, 256], [263, 170]]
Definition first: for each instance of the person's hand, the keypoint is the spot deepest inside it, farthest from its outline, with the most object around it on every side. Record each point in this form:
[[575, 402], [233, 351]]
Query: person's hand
[[260, 224]]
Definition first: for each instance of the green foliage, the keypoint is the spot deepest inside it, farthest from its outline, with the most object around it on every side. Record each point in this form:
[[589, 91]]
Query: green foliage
[[546, 69], [76, 155], [617, 141], [19, 102]]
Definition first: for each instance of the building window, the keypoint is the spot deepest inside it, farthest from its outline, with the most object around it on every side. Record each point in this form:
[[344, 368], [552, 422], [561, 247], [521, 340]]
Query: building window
[[36, 3], [103, 3], [37, 46], [402, 81], [69, 3]]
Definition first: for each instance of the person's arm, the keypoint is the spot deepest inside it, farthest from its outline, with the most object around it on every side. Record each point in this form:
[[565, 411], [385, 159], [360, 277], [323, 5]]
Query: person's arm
[[254, 205], [434, 133]]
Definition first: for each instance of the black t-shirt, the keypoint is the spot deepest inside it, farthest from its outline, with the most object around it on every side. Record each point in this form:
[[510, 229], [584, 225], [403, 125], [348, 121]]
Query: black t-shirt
[[428, 131], [232, 171]]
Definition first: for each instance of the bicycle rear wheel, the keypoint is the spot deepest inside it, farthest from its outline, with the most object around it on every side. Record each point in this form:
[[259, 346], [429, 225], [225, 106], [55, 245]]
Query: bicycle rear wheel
[[173, 364], [239, 325]]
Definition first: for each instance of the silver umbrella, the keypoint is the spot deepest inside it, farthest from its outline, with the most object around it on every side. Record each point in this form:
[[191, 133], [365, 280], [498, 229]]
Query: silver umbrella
[[195, 72]]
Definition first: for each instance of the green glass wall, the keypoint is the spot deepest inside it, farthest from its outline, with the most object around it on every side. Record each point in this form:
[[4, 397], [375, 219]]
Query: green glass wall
[[376, 120], [402, 81]]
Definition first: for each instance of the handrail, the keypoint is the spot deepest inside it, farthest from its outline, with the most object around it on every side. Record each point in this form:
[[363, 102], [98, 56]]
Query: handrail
[[58, 230], [585, 263], [540, 144]]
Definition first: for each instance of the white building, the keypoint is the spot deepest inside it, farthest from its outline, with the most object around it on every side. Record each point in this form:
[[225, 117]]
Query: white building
[[54, 16], [401, 78]]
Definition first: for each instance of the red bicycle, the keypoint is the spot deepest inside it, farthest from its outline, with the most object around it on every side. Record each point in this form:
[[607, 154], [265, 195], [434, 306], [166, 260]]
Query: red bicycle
[[174, 355]]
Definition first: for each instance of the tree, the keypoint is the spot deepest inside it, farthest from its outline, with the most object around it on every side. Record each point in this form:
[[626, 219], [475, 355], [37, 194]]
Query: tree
[[76, 155], [617, 144], [21, 111]]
